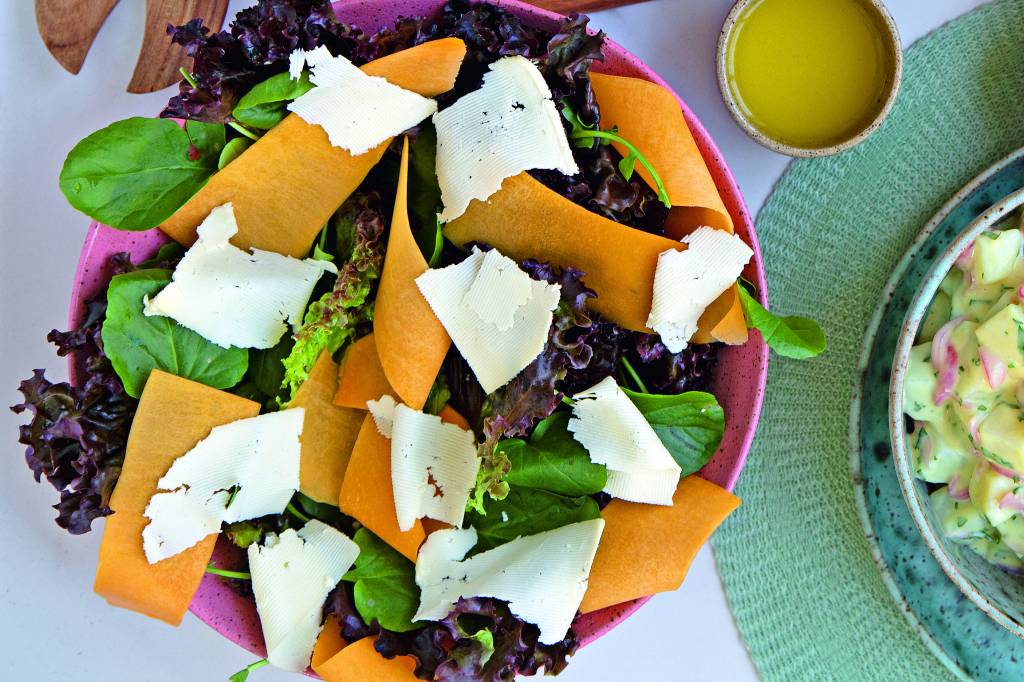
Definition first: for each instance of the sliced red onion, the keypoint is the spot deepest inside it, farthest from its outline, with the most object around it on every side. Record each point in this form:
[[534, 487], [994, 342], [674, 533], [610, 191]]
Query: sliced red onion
[[995, 368], [1011, 501], [1020, 291], [973, 426], [963, 261], [1003, 471], [947, 378], [955, 491], [941, 345]]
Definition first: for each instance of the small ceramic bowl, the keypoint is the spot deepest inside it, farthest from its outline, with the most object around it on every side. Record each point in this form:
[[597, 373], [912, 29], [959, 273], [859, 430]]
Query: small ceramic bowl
[[998, 593], [892, 36]]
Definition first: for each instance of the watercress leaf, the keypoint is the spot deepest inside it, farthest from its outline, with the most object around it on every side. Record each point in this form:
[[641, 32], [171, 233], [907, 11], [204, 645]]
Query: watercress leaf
[[243, 674], [133, 174], [320, 254], [264, 106], [136, 344], [385, 584], [553, 460], [690, 425], [525, 511], [626, 165], [439, 395], [792, 337], [232, 150]]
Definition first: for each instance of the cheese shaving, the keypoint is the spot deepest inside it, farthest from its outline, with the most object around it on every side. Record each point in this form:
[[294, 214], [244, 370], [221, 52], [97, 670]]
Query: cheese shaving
[[543, 577], [499, 290], [383, 412], [292, 573], [615, 433], [433, 468], [358, 112], [298, 59], [234, 298], [495, 355], [242, 470], [508, 126], [687, 282]]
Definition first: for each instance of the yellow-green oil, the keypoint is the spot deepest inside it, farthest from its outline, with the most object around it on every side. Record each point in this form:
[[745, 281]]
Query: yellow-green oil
[[809, 73]]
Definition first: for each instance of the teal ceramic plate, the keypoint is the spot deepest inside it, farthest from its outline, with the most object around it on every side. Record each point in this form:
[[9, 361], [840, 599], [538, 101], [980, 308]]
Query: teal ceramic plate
[[963, 638]]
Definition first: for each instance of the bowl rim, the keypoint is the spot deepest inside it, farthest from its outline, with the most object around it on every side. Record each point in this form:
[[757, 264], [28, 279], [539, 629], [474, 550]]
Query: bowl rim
[[901, 455], [894, 43]]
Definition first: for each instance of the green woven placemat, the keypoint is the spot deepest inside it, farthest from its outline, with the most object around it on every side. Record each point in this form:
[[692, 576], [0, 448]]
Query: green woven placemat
[[806, 594]]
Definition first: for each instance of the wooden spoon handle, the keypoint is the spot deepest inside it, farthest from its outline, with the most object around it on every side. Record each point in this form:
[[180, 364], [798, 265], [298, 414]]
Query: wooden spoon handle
[[566, 6], [159, 59], [68, 28]]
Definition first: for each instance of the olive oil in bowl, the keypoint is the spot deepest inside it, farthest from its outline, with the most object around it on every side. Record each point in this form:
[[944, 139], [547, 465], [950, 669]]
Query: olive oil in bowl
[[809, 77]]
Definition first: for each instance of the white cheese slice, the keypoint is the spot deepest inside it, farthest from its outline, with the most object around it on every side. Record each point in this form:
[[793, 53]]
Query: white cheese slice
[[687, 282], [543, 577], [357, 111], [383, 412], [499, 290], [257, 457], [433, 468], [495, 355], [508, 126], [291, 576], [298, 59], [615, 433], [234, 298]]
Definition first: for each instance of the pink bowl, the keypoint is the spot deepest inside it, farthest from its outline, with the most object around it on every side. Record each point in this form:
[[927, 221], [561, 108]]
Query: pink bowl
[[740, 377]]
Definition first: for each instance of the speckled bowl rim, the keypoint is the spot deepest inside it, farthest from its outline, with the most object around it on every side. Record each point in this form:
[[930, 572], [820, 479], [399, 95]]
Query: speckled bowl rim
[[897, 433], [856, 405], [102, 242], [895, 45]]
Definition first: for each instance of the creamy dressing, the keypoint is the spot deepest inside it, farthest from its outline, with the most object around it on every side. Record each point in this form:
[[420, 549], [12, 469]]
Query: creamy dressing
[[963, 390]]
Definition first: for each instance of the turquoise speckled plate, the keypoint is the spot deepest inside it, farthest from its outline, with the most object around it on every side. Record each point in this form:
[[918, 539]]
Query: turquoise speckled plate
[[961, 636]]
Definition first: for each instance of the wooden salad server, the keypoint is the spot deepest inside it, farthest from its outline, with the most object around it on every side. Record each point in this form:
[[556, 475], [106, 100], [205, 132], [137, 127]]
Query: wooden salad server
[[68, 28], [159, 59]]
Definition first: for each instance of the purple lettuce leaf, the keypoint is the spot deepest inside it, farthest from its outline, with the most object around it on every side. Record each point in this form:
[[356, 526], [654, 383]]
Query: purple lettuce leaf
[[481, 640], [77, 436], [669, 373], [227, 64]]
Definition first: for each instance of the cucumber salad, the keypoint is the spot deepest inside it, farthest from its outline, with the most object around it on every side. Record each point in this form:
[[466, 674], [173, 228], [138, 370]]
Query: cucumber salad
[[964, 393]]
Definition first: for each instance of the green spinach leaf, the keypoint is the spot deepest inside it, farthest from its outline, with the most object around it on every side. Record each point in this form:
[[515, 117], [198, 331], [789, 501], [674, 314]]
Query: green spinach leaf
[[553, 460], [133, 174], [527, 512], [791, 337], [266, 366], [689, 424], [232, 150], [385, 584], [264, 106], [136, 344]]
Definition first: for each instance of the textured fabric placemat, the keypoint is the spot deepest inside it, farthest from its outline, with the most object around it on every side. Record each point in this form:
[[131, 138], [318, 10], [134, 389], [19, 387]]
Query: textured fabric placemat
[[806, 594]]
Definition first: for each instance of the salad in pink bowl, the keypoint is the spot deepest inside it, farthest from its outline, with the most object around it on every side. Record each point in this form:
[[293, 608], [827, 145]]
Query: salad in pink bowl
[[404, 345]]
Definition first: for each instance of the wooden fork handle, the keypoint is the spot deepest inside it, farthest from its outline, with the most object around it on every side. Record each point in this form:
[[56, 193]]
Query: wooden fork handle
[[159, 59], [68, 28]]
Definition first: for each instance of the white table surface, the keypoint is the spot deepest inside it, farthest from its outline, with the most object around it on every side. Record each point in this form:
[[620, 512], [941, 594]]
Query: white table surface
[[52, 626]]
